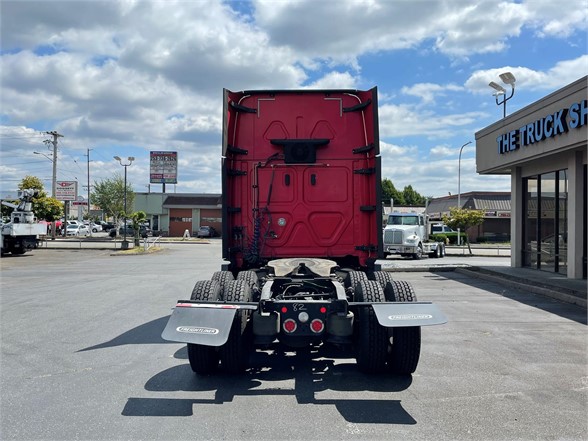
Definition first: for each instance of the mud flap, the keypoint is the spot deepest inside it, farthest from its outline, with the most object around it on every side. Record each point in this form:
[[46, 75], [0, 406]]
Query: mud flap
[[407, 314], [201, 324]]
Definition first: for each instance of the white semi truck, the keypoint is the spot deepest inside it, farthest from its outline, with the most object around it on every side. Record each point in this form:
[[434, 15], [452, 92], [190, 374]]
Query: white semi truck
[[407, 234], [22, 232]]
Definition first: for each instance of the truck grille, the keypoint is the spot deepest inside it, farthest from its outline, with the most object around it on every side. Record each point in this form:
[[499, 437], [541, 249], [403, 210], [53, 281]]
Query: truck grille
[[392, 237]]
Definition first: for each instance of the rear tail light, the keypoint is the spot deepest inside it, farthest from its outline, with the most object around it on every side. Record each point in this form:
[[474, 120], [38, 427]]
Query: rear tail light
[[317, 326], [289, 326]]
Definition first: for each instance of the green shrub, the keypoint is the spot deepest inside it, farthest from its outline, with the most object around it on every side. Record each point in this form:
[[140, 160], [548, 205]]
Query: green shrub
[[453, 238], [438, 237]]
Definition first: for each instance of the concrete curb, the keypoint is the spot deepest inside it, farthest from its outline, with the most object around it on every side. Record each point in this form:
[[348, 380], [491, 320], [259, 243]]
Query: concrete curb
[[474, 271], [527, 286]]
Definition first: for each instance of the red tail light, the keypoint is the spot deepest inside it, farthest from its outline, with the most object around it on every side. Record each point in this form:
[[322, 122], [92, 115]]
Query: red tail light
[[317, 326], [289, 326]]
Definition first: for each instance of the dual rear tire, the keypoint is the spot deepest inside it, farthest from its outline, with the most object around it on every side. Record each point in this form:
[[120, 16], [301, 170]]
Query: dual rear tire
[[234, 354], [381, 349]]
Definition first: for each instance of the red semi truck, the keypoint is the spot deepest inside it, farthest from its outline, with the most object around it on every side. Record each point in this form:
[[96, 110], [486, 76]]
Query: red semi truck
[[302, 232]]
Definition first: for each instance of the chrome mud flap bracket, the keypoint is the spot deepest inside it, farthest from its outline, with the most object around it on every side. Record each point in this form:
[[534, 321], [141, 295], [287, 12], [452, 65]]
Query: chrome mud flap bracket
[[406, 314], [201, 323]]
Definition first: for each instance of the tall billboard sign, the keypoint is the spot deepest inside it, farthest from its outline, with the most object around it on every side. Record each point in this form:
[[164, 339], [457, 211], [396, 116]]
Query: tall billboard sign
[[66, 190], [163, 168]]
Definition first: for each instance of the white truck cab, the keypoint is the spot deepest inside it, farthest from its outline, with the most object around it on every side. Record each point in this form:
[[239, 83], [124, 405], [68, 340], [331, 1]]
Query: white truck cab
[[407, 234]]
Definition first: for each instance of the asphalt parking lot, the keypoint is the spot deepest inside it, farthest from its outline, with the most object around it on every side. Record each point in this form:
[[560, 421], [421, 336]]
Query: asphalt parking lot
[[82, 358]]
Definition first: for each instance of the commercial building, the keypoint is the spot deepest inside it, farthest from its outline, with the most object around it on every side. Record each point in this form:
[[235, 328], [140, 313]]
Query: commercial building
[[173, 214], [494, 204], [543, 148]]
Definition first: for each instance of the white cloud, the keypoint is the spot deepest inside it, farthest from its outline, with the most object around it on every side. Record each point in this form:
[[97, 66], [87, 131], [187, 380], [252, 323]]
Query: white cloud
[[428, 92], [405, 120], [562, 73], [335, 80], [442, 151], [149, 75]]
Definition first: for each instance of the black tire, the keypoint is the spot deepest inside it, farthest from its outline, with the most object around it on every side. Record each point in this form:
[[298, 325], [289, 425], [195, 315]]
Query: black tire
[[249, 277], [383, 278], [354, 277], [419, 252], [204, 359], [234, 354], [223, 277], [372, 338], [406, 342]]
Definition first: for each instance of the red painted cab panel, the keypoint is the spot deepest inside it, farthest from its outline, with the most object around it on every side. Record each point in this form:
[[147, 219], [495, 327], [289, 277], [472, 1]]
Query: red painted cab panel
[[301, 176]]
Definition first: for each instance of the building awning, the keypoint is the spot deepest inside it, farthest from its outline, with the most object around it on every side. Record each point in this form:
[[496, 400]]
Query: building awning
[[193, 201]]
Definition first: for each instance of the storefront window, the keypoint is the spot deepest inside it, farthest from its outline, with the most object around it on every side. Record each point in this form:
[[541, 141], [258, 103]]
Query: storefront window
[[546, 226], [563, 221], [530, 225]]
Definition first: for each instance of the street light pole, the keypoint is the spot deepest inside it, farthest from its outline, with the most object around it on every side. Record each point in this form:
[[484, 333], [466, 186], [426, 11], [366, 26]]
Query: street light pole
[[125, 244], [507, 78], [459, 188]]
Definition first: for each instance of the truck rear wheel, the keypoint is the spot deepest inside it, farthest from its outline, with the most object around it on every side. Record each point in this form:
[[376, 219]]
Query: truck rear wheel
[[234, 354], [204, 359], [354, 277], [223, 277], [383, 278], [372, 338], [249, 277], [406, 342]]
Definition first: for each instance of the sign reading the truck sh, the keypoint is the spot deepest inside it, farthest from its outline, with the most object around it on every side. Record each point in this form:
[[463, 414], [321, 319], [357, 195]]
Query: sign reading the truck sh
[[549, 126]]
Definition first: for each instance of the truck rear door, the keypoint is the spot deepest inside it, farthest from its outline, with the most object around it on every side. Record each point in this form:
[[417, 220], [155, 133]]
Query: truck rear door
[[301, 175]]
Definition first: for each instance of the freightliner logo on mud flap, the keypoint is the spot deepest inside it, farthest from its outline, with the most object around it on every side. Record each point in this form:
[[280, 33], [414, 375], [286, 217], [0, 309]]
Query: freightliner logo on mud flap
[[197, 330], [410, 317]]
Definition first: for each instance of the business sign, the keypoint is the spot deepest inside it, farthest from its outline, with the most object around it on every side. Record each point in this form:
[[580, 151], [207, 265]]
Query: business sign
[[549, 126], [66, 190], [163, 168]]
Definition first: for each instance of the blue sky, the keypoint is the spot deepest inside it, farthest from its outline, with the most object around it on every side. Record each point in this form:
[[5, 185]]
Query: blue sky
[[127, 78]]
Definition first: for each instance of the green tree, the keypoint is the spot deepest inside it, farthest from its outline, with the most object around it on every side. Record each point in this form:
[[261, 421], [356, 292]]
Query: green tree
[[390, 192], [412, 197], [109, 195], [462, 219], [138, 218]]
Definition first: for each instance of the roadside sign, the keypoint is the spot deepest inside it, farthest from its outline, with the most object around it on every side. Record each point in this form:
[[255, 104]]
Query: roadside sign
[[163, 168], [66, 190]]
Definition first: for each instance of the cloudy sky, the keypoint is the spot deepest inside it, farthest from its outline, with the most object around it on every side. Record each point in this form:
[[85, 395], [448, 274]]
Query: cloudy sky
[[128, 77]]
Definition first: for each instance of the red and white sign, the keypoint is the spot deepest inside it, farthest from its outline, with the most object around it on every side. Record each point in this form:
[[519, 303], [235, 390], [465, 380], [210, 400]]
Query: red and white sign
[[66, 190], [163, 168]]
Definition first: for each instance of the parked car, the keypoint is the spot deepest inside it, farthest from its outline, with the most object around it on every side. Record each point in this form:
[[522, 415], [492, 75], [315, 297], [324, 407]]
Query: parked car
[[441, 228], [107, 226], [77, 230], [130, 232], [95, 227], [206, 231]]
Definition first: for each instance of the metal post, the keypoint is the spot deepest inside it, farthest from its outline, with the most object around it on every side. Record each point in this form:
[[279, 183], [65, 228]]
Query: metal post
[[459, 189], [54, 178], [125, 244]]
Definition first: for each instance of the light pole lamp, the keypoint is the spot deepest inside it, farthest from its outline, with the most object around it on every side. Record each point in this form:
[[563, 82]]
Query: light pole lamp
[[125, 244], [459, 188], [507, 78]]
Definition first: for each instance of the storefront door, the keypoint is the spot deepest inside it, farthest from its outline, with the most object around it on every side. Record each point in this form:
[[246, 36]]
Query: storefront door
[[546, 224]]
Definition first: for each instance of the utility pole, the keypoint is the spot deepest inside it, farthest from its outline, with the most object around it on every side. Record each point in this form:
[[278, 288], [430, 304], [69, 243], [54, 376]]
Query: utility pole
[[89, 217], [54, 180]]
